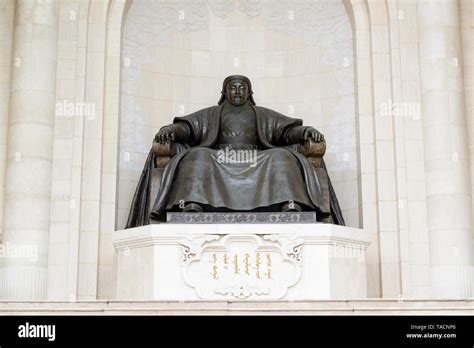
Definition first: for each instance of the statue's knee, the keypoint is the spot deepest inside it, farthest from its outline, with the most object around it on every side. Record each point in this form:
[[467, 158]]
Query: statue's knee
[[199, 154], [280, 155]]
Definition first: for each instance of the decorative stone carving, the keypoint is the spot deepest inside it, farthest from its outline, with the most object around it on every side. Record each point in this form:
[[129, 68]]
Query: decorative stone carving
[[192, 244], [242, 266], [233, 218], [151, 23], [290, 243]]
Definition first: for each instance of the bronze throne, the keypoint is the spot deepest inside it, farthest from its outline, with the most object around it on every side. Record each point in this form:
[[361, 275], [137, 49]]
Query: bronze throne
[[313, 151]]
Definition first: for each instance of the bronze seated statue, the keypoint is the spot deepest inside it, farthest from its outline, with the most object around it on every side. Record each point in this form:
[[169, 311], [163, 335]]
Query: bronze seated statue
[[235, 156]]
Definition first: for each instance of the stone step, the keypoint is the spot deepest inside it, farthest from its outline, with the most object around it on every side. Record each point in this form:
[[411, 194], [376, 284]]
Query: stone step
[[324, 307]]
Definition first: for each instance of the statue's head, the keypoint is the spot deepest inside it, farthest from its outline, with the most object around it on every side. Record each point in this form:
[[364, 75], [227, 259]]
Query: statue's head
[[237, 89]]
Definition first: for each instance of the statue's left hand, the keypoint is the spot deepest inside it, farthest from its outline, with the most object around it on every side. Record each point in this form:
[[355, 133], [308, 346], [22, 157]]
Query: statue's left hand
[[313, 133]]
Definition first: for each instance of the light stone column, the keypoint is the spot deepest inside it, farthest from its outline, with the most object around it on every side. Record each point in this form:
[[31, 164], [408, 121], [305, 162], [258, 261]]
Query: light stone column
[[29, 150], [446, 148]]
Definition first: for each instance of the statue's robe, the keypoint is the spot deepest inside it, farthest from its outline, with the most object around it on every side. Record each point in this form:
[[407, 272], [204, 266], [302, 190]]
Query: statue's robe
[[205, 127]]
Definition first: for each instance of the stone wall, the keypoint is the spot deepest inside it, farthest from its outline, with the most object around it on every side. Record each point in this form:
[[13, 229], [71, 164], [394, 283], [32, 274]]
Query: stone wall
[[120, 76]]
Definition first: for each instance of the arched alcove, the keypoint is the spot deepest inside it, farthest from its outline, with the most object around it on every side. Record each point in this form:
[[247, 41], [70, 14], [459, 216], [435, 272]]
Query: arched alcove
[[299, 56]]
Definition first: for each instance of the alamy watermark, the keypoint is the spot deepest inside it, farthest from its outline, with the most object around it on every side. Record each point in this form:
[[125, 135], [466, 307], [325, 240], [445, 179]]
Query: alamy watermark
[[28, 330], [19, 251], [404, 109], [237, 156], [74, 109]]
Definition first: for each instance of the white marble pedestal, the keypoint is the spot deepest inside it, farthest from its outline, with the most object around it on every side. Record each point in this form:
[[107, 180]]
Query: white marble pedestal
[[183, 262]]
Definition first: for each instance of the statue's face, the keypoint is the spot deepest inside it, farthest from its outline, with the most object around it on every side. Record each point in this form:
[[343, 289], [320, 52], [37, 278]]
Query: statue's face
[[237, 92]]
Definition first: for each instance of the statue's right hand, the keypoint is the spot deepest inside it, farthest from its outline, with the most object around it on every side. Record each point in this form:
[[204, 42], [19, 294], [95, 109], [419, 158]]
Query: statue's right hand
[[165, 135]]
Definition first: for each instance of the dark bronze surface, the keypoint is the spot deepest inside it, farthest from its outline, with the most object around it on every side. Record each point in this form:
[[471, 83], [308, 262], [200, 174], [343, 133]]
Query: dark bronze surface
[[190, 163]]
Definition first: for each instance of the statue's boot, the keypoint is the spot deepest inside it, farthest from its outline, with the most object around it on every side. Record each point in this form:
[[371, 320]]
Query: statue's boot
[[327, 219], [291, 207], [193, 208]]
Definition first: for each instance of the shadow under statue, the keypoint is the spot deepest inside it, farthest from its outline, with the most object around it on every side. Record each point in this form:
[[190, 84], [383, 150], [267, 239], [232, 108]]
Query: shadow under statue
[[235, 157]]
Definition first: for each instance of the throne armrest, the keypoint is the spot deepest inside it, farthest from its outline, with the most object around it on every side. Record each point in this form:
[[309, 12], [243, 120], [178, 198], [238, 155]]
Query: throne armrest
[[314, 151], [162, 154], [311, 149]]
